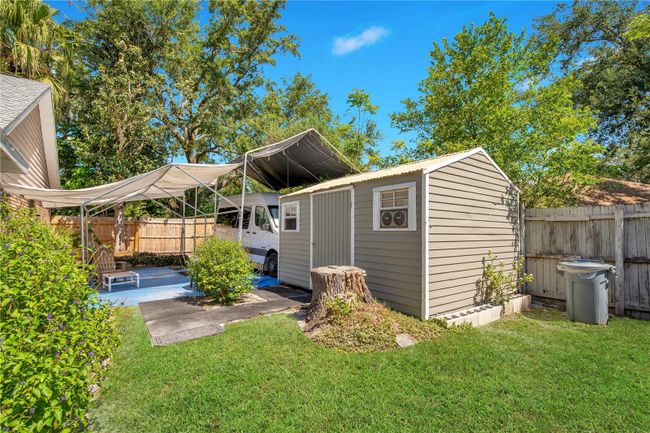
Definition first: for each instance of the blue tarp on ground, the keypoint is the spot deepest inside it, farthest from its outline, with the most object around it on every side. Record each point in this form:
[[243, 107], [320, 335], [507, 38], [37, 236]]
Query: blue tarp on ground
[[162, 283]]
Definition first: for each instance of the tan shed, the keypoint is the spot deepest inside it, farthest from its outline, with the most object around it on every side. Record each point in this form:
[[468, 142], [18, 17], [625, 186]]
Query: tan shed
[[374, 221]]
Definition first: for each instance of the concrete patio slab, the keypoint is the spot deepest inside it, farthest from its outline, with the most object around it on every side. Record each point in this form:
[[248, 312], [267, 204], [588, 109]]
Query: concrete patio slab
[[189, 334], [160, 309], [176, 320]]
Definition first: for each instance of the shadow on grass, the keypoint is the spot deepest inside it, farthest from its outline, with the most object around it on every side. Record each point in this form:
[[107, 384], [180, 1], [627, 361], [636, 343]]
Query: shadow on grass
[[545, 315]]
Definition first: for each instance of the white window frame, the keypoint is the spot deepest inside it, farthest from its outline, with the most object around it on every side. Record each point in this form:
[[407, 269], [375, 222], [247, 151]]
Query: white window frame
[[282, 216], [376, 207]]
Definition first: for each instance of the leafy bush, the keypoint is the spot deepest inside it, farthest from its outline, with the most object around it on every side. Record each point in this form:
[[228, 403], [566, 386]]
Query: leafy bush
[[496, 285], [221, 269], [55, 339], [152, 259]]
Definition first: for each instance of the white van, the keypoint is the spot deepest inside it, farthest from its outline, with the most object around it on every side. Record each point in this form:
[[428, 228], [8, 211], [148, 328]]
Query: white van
[[261, 233]]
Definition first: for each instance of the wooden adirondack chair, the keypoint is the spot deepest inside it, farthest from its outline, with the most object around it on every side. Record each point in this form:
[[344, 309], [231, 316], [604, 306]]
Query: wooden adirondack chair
[[103, 260]]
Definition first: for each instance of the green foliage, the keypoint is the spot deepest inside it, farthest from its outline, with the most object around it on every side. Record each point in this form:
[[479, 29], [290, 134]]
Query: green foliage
[[489, 87], [358, 137], [340, 306], [55, 337], [602, 44], [639, 27], [152, 259], [497, 285], [221, 269], [210, 74], [33, 45]]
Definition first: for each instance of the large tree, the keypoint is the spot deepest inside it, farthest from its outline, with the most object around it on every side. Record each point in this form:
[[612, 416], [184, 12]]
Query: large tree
[[286, 109], [33, 45], [489, 87], [606, 45], [298, 104], [111, 127], [358, 134], [211, 75]]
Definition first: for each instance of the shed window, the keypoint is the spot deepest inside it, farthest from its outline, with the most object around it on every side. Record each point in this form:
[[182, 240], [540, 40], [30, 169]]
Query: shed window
[[394, 207], [291, 217]]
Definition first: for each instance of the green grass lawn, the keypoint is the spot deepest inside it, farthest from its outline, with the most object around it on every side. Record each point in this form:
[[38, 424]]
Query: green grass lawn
[[536, 372]]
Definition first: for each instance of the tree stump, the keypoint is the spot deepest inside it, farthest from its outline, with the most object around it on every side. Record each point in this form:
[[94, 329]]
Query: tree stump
[[328, 282]]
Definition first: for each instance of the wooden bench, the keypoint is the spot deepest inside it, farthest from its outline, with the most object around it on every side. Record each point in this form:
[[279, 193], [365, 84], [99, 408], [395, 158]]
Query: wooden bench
[[113, 278]]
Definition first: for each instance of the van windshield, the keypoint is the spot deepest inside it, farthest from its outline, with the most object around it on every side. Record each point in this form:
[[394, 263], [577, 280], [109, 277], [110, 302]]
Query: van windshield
[[275, 215]]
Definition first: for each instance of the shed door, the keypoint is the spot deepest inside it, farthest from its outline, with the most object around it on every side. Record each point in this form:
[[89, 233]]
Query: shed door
[[332, 228]]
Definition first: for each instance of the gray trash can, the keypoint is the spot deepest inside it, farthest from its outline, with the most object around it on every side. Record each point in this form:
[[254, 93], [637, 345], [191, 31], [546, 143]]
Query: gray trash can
[[586, 290]]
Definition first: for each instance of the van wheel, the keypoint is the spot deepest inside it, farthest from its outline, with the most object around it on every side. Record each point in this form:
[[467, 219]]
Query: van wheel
[[271, 264]]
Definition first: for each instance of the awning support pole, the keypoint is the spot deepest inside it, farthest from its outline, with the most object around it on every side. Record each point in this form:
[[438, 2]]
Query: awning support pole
[[183, 228], [243, 193], [216, 212], [196, 193], [81, 231]]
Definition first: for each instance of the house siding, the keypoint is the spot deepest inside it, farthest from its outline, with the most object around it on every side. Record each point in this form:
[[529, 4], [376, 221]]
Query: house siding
[[472, 209], [28, 139], [293, 258], [392, 259]]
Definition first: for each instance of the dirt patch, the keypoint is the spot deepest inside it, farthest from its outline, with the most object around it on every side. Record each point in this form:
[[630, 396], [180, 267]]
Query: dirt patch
[[209, 303]]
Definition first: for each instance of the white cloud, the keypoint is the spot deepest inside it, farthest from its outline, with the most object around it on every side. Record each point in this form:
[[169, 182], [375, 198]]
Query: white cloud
[[347, 44]]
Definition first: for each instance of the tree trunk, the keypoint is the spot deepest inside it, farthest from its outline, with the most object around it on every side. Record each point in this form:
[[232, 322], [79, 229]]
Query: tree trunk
[[119, 229], [328, 282]]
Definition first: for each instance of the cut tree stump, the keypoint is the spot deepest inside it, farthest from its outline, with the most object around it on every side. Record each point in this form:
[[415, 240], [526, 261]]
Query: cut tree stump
[[328, 282]]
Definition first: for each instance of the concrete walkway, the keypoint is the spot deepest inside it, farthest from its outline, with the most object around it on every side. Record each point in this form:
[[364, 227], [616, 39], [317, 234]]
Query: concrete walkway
[[175, 320]]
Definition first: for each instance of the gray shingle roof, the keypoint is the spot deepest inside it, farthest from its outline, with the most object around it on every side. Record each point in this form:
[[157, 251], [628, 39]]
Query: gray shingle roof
[[17, 96]]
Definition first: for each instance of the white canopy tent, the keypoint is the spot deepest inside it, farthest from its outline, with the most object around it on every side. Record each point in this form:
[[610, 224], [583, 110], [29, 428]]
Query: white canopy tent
[[168, 181], [304, 158]]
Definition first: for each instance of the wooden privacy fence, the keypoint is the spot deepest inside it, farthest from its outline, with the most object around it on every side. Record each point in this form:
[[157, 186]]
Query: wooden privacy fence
[[619, 235], [150, 235]]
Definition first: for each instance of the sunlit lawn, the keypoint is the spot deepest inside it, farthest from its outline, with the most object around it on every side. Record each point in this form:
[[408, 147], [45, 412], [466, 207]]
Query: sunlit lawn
[[536, 372]]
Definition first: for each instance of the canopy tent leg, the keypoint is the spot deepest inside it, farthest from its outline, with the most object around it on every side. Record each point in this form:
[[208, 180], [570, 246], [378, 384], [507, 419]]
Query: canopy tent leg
[[183, 228], [196, 192], [243, 193], [81, 233]]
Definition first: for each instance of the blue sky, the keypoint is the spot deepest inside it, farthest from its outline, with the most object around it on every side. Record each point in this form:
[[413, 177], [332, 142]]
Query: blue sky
[[397, 35]]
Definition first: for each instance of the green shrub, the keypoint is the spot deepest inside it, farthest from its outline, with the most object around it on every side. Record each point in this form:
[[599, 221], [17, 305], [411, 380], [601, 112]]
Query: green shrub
[[152, 259], [55, 338], [496, 285], [221, 269]]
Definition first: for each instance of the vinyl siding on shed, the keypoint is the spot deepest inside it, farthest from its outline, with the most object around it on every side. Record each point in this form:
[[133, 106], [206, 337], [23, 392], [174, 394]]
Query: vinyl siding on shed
[[293, 258], [391, 259], [472, 209]]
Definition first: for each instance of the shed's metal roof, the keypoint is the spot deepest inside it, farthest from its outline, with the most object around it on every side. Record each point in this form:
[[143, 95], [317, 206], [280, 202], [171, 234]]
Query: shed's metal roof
[[17, 97], [426, 164]]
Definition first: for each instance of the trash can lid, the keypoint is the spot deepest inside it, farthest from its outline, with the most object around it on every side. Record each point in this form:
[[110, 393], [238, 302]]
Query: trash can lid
[[583, 266]]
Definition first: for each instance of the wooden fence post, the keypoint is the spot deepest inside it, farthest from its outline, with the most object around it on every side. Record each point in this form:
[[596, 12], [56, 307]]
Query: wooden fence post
[[619, 233], [136, 235]]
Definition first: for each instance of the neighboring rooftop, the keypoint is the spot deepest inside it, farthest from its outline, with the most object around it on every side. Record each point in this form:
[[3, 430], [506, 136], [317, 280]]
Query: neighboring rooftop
[[616, 191], [17, 98]]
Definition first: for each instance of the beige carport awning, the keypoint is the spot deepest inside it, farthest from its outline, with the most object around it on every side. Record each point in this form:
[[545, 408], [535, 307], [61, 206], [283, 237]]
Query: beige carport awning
[[171, 180]]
